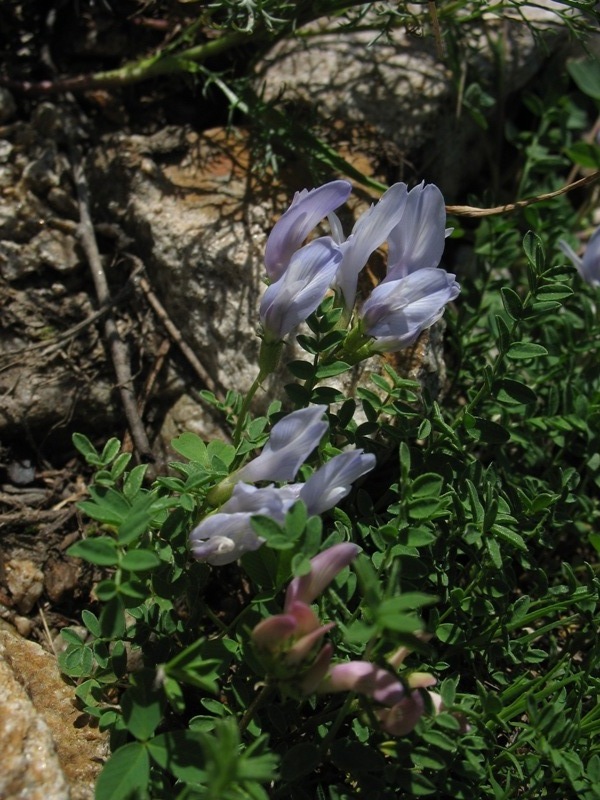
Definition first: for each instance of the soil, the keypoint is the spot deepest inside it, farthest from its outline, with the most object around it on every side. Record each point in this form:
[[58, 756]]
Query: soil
[[56, 373]]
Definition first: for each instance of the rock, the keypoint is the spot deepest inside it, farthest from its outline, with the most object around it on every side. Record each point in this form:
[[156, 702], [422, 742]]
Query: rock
[[396, 98], [21, 471], [47, 754], [185, 200], [65, 578], [25, 583], [43, 387], [8, 107]]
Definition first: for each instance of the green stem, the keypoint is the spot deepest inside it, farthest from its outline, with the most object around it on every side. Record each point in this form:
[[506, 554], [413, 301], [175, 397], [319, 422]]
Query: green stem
[[154, 66], [237, 434], [258, 701], [337, 723]]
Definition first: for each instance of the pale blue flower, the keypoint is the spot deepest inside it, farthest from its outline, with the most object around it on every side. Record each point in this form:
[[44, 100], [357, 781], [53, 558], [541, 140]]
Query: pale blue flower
[[308, 208], [333, 481], [370, 231], [272, 500], [292, 440], [398, 310], [588, 266], [304, 283], [225, 536], [418, 241]]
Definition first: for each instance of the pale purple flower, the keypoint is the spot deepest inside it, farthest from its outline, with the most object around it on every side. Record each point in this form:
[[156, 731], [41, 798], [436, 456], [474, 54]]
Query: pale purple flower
[[403, 707], [292, 440], [417, 242], [225, 536], [273, 632], [323, 569], [304, 283], [370, 231], [398, 310], [364, 678], [588, 266], [275, 500], [333, 481], [402, 717], [308, 208], [222, 538], [295, 631]]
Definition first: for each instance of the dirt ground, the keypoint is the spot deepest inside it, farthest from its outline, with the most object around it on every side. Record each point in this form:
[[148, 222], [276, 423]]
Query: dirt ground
[[56, 370]]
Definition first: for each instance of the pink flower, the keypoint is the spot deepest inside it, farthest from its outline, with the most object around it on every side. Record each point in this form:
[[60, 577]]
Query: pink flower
[[402, 717], [364, 678], [403, 708], [324, 568], [288, 643]]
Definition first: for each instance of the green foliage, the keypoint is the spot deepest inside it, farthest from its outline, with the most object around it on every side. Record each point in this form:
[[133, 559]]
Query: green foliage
[[467, 534], [479, 528]]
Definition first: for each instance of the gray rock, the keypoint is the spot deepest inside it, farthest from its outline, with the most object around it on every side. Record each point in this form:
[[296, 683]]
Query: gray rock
[[8, 107], [395, 95], [201, 231]]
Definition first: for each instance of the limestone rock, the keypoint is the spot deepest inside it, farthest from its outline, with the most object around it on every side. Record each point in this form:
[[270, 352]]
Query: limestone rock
[[46, 753], [200, 220], [25, 583], [396, 94]]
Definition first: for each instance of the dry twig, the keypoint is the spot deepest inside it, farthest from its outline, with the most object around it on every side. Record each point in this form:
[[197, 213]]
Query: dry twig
[[118, 352], [175, 334], [472, 211]]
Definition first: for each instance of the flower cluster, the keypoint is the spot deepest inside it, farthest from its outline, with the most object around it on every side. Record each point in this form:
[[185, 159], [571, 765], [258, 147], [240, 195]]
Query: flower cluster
[[411, 297], [227, 534], [290, 646], [589, 265]]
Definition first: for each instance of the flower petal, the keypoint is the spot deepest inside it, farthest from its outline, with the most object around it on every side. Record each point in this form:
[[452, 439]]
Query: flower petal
[[290, 300], [418, 241], [223, 538], [590, 266], [403, 716], [308, 208], [570, 254], [397, 311], [301, 649], [306, 619], [271, 633], [270, 500], [364, 678], [323, 569], [292, 439], [332, 482], [370, 231]]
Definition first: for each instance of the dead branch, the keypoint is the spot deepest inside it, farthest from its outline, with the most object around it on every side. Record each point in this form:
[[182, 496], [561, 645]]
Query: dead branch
[[87, 237], [175, 334], [54, 342], [159, 360], [472, 211]]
